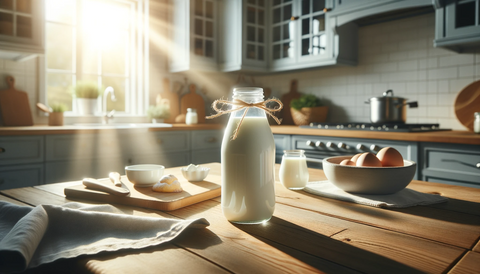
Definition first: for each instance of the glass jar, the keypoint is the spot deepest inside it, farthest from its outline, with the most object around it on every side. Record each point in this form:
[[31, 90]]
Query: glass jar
[[293, 169], [248, 163], [191, 117], [476, 122]]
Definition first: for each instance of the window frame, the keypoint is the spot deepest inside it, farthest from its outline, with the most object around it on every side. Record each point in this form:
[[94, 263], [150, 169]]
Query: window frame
[[137, 95]]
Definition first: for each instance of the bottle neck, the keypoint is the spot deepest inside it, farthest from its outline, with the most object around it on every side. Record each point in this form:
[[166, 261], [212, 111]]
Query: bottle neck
[[249, 95]]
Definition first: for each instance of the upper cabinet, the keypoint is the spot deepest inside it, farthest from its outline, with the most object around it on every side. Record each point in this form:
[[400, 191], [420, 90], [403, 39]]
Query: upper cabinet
[[304, 35], [457, 24], [21, 29], [194, 35], [243, 27], [349, 10]]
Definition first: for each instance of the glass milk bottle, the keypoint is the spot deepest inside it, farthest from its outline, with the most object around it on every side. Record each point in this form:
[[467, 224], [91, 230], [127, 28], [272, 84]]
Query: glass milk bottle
[[293, 169], [191, 117], [248, 195]]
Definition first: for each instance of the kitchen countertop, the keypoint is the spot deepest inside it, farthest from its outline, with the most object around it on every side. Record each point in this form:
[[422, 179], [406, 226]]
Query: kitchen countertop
[[307, 234], [453, 136]]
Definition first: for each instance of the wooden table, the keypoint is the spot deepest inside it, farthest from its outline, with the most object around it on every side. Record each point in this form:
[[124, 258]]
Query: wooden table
[[307, 234]]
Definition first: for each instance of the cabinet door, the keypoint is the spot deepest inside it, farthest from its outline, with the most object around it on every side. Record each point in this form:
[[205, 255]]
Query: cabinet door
[[171, 159], [206, 156], [462, 18], [254, 30], [21, 150], [21, 28], [21, 176], [283, 29]]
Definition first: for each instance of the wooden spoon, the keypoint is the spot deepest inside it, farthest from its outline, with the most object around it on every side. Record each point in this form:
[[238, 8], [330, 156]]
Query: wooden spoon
[[43, 107]]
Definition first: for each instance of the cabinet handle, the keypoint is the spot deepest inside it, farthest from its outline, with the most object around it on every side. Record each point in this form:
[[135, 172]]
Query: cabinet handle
[[2, 150], [327, 9], [159, 141], [293, 18], [211, 140], [478, 165]]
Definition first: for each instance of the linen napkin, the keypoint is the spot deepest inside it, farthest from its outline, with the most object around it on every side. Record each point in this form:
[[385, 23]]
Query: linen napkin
[[404, 198], [30, 237]]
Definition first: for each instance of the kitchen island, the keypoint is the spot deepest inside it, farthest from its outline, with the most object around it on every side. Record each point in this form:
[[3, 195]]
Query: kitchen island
[[307, 233]]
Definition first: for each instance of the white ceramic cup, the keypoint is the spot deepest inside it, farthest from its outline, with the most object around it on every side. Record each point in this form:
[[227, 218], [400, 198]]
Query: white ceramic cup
[[144, 175]]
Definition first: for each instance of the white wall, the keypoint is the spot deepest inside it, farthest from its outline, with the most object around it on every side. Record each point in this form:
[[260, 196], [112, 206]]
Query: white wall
[[396, 55]]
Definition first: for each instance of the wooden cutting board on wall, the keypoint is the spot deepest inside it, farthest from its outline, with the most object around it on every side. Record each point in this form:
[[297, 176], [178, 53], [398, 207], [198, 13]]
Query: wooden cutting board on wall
[[193, 100], [14, 106], [467, 103], [286, 99], [173, 99]]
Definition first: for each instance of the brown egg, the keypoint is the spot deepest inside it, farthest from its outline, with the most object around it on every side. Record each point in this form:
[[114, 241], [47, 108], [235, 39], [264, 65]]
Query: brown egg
[[389, 156], [347, 162], [368, 159], [355, 157]]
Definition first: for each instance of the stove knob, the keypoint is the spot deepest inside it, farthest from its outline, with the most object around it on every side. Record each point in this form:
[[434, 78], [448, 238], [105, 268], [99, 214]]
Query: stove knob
[[361, 147], [310, 143], [319, 144], [331, 145], [342, 145], [374, 148]]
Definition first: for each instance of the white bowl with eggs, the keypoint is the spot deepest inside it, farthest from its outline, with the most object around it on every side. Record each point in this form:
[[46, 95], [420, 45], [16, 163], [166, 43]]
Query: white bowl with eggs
[[374, 180], [144, 175]]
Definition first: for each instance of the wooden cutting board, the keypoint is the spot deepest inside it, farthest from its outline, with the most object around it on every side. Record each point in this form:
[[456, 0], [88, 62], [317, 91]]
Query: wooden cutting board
[[286, 99], [193, 192], [14, 106], [193, 100], [173, 99], [467, 103]]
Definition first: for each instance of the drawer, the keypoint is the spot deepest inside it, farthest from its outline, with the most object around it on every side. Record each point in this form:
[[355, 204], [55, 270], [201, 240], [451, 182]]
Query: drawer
[[83, 146], [452, 158], [159, 142], [21, 149], [21, 176], [171, 159], [206, 156], [205, 139]]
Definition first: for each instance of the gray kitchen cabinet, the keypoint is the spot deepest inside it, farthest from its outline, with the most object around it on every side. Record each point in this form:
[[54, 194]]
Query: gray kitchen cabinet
[[21, 161], [304, 35], [206, 146], [243, 27], [21, 29], [194, 35], [451, 163], [321, 147], [457, 24], [282, 142], [346, 11]]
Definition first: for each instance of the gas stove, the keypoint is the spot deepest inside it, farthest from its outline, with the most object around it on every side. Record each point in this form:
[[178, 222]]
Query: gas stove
[[393, 127]]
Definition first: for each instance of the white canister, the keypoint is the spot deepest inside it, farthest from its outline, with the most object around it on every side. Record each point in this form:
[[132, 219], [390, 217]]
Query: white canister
[[476, 122], [293, 169], [191, 117]]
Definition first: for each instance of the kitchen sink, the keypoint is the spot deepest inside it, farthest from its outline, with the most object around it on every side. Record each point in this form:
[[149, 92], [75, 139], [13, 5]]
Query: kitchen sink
[[123, 125]]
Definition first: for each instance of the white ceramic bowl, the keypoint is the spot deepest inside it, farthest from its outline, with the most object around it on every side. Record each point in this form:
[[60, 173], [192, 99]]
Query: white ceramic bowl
[[144, 175], [368, 180], [197, 175]]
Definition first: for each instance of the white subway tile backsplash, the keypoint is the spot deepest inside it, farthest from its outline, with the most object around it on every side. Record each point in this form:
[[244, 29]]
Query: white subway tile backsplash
[[466, 71], [443, 73], [456, 60]]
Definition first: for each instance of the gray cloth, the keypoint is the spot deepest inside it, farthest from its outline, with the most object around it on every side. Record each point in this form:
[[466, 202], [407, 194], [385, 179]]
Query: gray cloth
[[30, 237], [404, 198]]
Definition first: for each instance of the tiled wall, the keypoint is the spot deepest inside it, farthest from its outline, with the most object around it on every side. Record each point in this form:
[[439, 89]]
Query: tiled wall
[[397, 55]]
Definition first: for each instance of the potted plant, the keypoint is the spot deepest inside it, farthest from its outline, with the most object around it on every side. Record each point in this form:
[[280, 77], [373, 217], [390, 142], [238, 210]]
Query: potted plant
[[55, 117], [160, 111], [308, 109], [86, 94]]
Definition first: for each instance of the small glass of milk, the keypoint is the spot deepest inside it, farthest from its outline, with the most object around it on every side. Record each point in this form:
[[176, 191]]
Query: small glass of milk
[[293, 169]]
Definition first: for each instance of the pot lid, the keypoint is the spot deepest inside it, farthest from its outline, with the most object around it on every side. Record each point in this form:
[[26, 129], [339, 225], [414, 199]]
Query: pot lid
[[387, 95]]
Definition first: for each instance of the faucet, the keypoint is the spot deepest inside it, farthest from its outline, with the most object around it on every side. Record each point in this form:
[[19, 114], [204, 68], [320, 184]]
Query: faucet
[[108, 115]]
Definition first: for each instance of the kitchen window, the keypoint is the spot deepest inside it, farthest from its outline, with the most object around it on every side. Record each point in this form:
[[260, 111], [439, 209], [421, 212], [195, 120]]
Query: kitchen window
[[104, 41]]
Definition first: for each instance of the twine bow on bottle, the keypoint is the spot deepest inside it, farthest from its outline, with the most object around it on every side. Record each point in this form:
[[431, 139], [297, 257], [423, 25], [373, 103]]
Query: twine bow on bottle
[[239, 105]]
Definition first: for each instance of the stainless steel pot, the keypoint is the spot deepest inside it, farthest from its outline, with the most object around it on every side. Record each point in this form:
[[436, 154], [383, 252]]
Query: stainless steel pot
[[389, 109]]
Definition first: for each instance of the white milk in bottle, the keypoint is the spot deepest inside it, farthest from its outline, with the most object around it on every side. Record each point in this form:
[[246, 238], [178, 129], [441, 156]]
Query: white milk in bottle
[[248, 194]]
